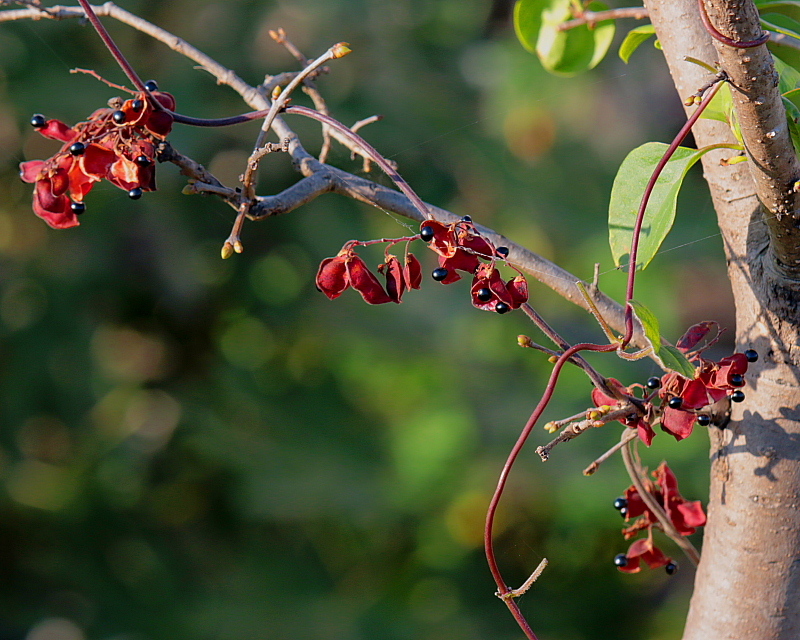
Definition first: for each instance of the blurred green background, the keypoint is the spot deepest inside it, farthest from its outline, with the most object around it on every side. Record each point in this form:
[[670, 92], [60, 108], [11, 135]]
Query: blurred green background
[[197, 449]]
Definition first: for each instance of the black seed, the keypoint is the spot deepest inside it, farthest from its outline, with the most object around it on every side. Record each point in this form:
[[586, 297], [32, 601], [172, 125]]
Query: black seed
[[503, 251], [143, 161], [653, 383], [38, 121], [484, 295], [737, 396], [439, 274], [137, 105], [703, 420], [671, 568], [151, 85], [78, 208], [623, 512], [426, 234], [119, 117], [502, 307], [621, 560], [466, 219], [77, 148], [135, 194], [620, 503], [736, 380], [675, 403], [751, 355]]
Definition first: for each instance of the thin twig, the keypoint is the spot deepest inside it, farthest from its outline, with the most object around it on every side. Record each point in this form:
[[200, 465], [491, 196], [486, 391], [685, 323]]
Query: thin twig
[[577, 428], [591, 18], [627, 436]]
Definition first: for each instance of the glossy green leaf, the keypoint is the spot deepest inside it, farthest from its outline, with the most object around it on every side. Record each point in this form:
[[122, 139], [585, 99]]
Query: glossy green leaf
[[568, 52], [674, 360], [789, 8], [781, 24], [626, 196], [528, 21], [669, 357], [652, 329], [635, 38]]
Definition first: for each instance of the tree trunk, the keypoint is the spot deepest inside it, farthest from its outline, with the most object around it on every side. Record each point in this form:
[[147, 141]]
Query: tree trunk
[[748, 582]]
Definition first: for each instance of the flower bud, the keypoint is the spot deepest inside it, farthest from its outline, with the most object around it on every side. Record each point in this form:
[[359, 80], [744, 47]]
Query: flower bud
[[227, 250], [524, 341], [340, 50]]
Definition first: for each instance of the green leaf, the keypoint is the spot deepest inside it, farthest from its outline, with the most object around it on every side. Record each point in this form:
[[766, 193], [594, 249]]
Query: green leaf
[[668, 356], [674, 360], [568, 52], [635, 38], [721, 108], [528, 21], [781, 24], [789, 8], [788, 77], [626, 195], [652, 329], [793, 120]]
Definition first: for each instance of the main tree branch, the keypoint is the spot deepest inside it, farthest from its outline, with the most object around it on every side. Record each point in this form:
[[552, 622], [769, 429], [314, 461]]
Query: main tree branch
[[762, 116]]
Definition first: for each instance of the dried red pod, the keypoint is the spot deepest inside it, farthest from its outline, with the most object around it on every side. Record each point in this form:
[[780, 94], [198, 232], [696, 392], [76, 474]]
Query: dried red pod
[[395, 281], [412, 272], [364, 281], [332, 277], [517, 288], [695, 334]]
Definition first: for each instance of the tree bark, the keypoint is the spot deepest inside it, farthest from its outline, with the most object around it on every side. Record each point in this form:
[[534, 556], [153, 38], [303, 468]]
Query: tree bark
[[747, 585]]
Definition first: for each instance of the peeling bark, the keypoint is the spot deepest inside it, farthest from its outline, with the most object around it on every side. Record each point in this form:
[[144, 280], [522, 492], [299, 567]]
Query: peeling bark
[[747, 585]]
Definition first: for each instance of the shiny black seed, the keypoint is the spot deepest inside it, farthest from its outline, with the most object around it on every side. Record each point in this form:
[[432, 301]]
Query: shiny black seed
[[439, 274], [151, 85], [751, 355], [675, 403], [143, 161], [38, 121], [703, 420], [426, 234], [653, 383], [620, 503], [135, 194], [621, 560], [502, 307], [503, 251], [623, 512], [466, 219], [119, 117], [737, 396], [484, 295], [671, 568], [78, 207], [137, 105], [736, 380], [77, 148]]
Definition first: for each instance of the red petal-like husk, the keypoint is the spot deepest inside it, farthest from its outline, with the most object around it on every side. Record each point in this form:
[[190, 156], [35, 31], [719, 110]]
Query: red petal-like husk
[[124, 174], [518, 290], [645, 431], [332, 277], [29, 171], [678, 423], [365, 282], [159, 123], [96, 160], [688, 516], [57, 130], [54, 210], [695, 334]]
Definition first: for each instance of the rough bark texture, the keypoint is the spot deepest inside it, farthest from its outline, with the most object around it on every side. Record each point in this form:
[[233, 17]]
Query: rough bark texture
[[748, 582]]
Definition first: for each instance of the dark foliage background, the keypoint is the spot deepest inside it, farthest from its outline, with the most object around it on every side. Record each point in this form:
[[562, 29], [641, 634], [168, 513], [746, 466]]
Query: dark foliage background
[[200, 449]]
